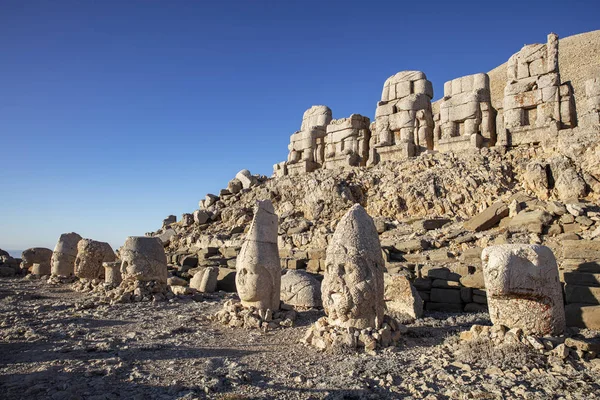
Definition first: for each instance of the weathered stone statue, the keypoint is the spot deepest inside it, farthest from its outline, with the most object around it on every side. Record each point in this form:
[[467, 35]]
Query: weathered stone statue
[[347, 142], [143, 259], [65, 252], [307, 146], [258, 277], [403, 119], [353, 286], [467, 118], [523, 288], [536, 104], [90, 256], [37, 255], [591, 113]]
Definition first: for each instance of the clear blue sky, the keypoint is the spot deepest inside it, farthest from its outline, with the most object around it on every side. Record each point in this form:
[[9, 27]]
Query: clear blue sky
[[117, 113]]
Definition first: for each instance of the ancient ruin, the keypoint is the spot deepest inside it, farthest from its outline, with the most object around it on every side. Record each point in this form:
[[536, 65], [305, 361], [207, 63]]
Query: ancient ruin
[[64, 255], [143, 259], [523, 288], [112, 273], [258, 278], [591, 109], [347, 142], [536, 104], [466, 117], [90, 256], [37, 255]]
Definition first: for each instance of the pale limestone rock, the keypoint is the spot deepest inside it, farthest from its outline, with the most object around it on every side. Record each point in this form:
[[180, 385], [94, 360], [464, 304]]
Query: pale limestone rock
[[300, 289], [235, 186], [258, 278], [570, 186], [65, 252], [38, 269], [171, 219], [205, 280], [112, 273], [523, 288], [201, 217], [246, 179], [90, 256], [467, 118], [352, 289], [590, 114], [402, 301], [143, 259], [535, 179], [37, 255]]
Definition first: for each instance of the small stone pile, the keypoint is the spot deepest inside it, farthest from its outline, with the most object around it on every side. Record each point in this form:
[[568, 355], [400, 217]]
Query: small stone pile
[[578, 348], [324, 336], [136, 291], [236, 315]]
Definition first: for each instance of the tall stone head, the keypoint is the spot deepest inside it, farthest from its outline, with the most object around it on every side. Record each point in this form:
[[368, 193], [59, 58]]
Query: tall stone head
[[258, 277], [65, 252], [352, 288], [143, 259], [316, 116], [523, 288]]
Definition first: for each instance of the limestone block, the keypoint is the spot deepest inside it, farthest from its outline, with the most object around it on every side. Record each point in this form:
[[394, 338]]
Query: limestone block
[[570, 186], [402, 301], [353, 285], [300, 289], [526, 218], [65, 252], [583, 316], [488, 218], [582, 294], [246, 178], [187, 220], [201, 217], [385, 109], [523, 289], [258, 278], [205, 280], [143, 259], [112, 273], [171, 219], [38, 269], [90, 256], [39, 255], [166, 236], [448, 89], [209, 200]]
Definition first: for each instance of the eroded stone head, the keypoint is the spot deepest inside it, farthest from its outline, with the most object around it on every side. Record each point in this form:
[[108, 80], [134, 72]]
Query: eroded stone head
[[143, 259], [352, 288]]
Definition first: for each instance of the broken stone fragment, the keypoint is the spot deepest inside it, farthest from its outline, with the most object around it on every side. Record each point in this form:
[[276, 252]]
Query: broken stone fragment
[[300, 289]]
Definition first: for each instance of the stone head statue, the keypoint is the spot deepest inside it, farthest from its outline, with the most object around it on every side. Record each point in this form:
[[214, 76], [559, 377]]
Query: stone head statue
[[258, 277], [352, 288]]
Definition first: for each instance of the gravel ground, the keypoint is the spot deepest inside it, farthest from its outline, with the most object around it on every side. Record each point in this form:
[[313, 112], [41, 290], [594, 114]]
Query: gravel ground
[[60, 344]]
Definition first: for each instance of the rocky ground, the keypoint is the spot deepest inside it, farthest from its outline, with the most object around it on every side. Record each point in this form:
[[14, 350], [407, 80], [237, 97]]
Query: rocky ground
[[61, 344]]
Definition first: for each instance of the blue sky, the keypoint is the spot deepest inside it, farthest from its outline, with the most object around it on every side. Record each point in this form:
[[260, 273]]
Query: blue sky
[[117, 113]]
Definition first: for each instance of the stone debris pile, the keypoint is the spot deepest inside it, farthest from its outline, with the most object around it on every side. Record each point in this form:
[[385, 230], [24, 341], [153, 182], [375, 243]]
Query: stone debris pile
[[235, 315]]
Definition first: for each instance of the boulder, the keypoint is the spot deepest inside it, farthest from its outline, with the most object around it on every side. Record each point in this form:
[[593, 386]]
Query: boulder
[[205, 280], [234, 186], [300, 289], [402, 301], [90, 256], [246, 179], [201, 217], [36, 255], [488, 218]]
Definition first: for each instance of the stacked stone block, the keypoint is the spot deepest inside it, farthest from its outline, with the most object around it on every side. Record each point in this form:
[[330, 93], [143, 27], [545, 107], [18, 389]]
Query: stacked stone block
[[591, 113], [403, 119], [466, 118], [536, 105], [347, 142]]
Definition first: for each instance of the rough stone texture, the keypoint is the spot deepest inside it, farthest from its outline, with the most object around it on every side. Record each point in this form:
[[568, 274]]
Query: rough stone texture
[[65, 252], [112, 273], [347, 142], [353, 286], [535, 103], [258, 278], [591, 107], [300, 289], [402, 301], [523, 288], [246, 179], [583, 316], [487, 218], [143, 259], [467, 118], [205, 280], [40, 269], [307, 146], [201, 217], [36, 255], [90, 256], [403, 119]]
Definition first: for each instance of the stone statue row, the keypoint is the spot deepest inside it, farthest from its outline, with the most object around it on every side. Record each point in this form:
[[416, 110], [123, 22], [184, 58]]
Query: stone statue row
[[535, 106]]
